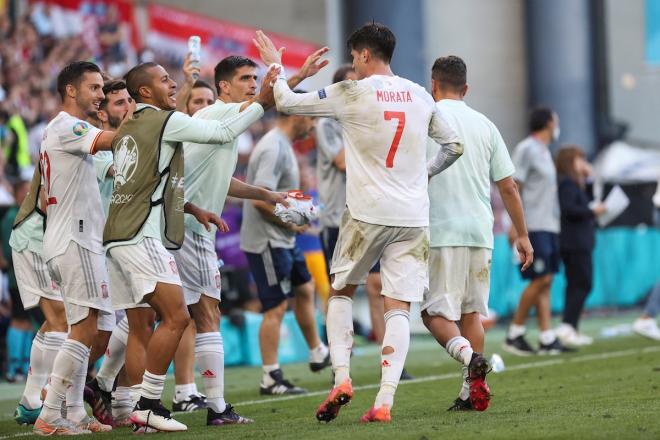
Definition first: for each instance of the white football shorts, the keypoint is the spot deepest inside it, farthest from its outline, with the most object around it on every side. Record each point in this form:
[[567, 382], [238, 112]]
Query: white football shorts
[[135, 269], [84, 284], [33, 279], [198, 268], [403, 254], [459, 282]]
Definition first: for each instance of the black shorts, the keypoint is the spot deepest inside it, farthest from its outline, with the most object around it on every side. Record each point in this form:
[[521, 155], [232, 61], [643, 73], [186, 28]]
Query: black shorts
[[276, 271], [546, 255], [329, 241]]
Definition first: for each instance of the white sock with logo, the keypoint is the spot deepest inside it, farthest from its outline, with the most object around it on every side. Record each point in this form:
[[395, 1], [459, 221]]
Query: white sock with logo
[[68, 361], [75, 406], [210, 354], [460, 349], [393, 355], [339, 325]]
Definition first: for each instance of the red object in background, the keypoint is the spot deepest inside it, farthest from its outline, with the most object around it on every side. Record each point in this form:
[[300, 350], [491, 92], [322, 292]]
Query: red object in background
[[172, 26]]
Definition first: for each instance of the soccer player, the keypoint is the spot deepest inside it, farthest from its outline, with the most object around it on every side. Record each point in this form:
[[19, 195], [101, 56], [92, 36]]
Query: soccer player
[[461, 226], [537, 178], [135, 235], [111, 409], [385, 120], [331, 172], [37, 290], [208, 182], [72, 244]]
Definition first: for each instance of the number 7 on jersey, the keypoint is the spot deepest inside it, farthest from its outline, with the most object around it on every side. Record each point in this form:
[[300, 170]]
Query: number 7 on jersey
[[401, 117]]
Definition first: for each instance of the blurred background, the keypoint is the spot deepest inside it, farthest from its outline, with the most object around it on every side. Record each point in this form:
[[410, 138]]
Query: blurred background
[[595, 62]]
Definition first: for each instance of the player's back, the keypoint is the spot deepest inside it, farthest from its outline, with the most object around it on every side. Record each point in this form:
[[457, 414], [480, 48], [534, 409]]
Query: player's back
[[69, 178], [385, 121], [461, 214]]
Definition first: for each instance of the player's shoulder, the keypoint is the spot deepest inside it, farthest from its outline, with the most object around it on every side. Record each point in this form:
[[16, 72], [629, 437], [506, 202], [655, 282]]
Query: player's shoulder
[[66, 125]]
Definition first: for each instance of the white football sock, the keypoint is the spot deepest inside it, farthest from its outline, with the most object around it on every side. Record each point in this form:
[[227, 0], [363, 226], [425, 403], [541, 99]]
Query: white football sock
[[396, 342], [37, 374], [75, 406], [515, 331], [122, 403], [318, 354], [460, 349], [115, 356], [183, 391], [339, 325], [266, 380], [547, 337], [68, 361], [465, 388], [135, 391], [210, 354], [152, 385]]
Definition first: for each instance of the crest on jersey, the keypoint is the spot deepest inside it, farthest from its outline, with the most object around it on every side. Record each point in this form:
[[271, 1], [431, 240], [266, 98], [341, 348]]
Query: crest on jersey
[[80, 128], [125, 160]]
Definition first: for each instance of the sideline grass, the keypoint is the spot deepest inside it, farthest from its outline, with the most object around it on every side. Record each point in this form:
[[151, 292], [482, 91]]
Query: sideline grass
[[608, 390]]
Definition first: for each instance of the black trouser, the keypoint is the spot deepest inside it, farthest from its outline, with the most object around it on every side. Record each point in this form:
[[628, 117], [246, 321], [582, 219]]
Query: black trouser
[[579, 274]]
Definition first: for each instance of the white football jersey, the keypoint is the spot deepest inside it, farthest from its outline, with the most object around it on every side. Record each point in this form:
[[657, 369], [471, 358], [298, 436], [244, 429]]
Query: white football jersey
[[385, 123], [68, 176]]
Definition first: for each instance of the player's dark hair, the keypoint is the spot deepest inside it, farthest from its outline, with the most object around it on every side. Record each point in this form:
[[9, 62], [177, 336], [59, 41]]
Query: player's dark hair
[[73, 74], [450, 72], [226, 68], [138, 77], [201, 84], [376, 37], [111, 86], [340, 74], [539, 118]]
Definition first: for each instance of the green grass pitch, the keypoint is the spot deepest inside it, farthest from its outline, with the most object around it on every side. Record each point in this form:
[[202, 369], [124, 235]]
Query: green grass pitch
[[608, 390]]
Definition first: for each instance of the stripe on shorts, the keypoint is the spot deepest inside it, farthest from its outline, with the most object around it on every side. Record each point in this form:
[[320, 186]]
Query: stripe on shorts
[[205, 279], [154, 256], [88, 272], [38, 267], [269, 267]]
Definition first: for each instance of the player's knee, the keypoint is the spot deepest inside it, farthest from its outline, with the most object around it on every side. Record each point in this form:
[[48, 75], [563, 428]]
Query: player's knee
[[387, 350]]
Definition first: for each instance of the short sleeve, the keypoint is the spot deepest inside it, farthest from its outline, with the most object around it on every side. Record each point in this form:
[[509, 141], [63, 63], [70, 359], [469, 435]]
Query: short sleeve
[[522, 163], [501, 165], [269, 166], [328, 138], [77, 136]]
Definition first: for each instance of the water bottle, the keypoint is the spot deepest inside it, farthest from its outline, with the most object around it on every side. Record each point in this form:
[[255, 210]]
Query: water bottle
[[195, 49], [497, 363]]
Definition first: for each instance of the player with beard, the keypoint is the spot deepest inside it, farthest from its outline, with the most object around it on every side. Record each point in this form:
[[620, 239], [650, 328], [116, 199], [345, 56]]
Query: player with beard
[[73, 248], [146, 214]]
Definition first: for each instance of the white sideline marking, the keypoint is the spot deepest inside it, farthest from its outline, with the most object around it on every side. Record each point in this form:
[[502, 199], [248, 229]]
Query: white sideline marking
[[529, 365], [544, 363]]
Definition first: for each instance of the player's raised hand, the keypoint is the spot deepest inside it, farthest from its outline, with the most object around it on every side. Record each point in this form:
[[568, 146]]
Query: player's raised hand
[[190, 70], [267, 51], [525, 252], [313, 63], [265, 97]]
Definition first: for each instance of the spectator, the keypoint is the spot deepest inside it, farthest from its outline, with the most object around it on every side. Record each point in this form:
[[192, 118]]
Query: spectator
[[576, 239], [537, 178]]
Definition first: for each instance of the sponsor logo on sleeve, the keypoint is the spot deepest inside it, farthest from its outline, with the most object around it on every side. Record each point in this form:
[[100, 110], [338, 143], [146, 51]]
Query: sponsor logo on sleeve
[[80, 128], [322, 94]]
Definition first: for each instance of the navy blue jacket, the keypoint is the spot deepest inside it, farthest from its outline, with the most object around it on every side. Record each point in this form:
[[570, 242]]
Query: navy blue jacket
[[578, 223]]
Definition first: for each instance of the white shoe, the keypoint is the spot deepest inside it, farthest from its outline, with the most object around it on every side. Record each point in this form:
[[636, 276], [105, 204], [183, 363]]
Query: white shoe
[[647, 327], [570, 337], [158, 419]]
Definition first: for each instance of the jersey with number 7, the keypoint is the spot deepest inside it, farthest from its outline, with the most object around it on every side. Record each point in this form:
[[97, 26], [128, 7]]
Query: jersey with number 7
[[386, 121]]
